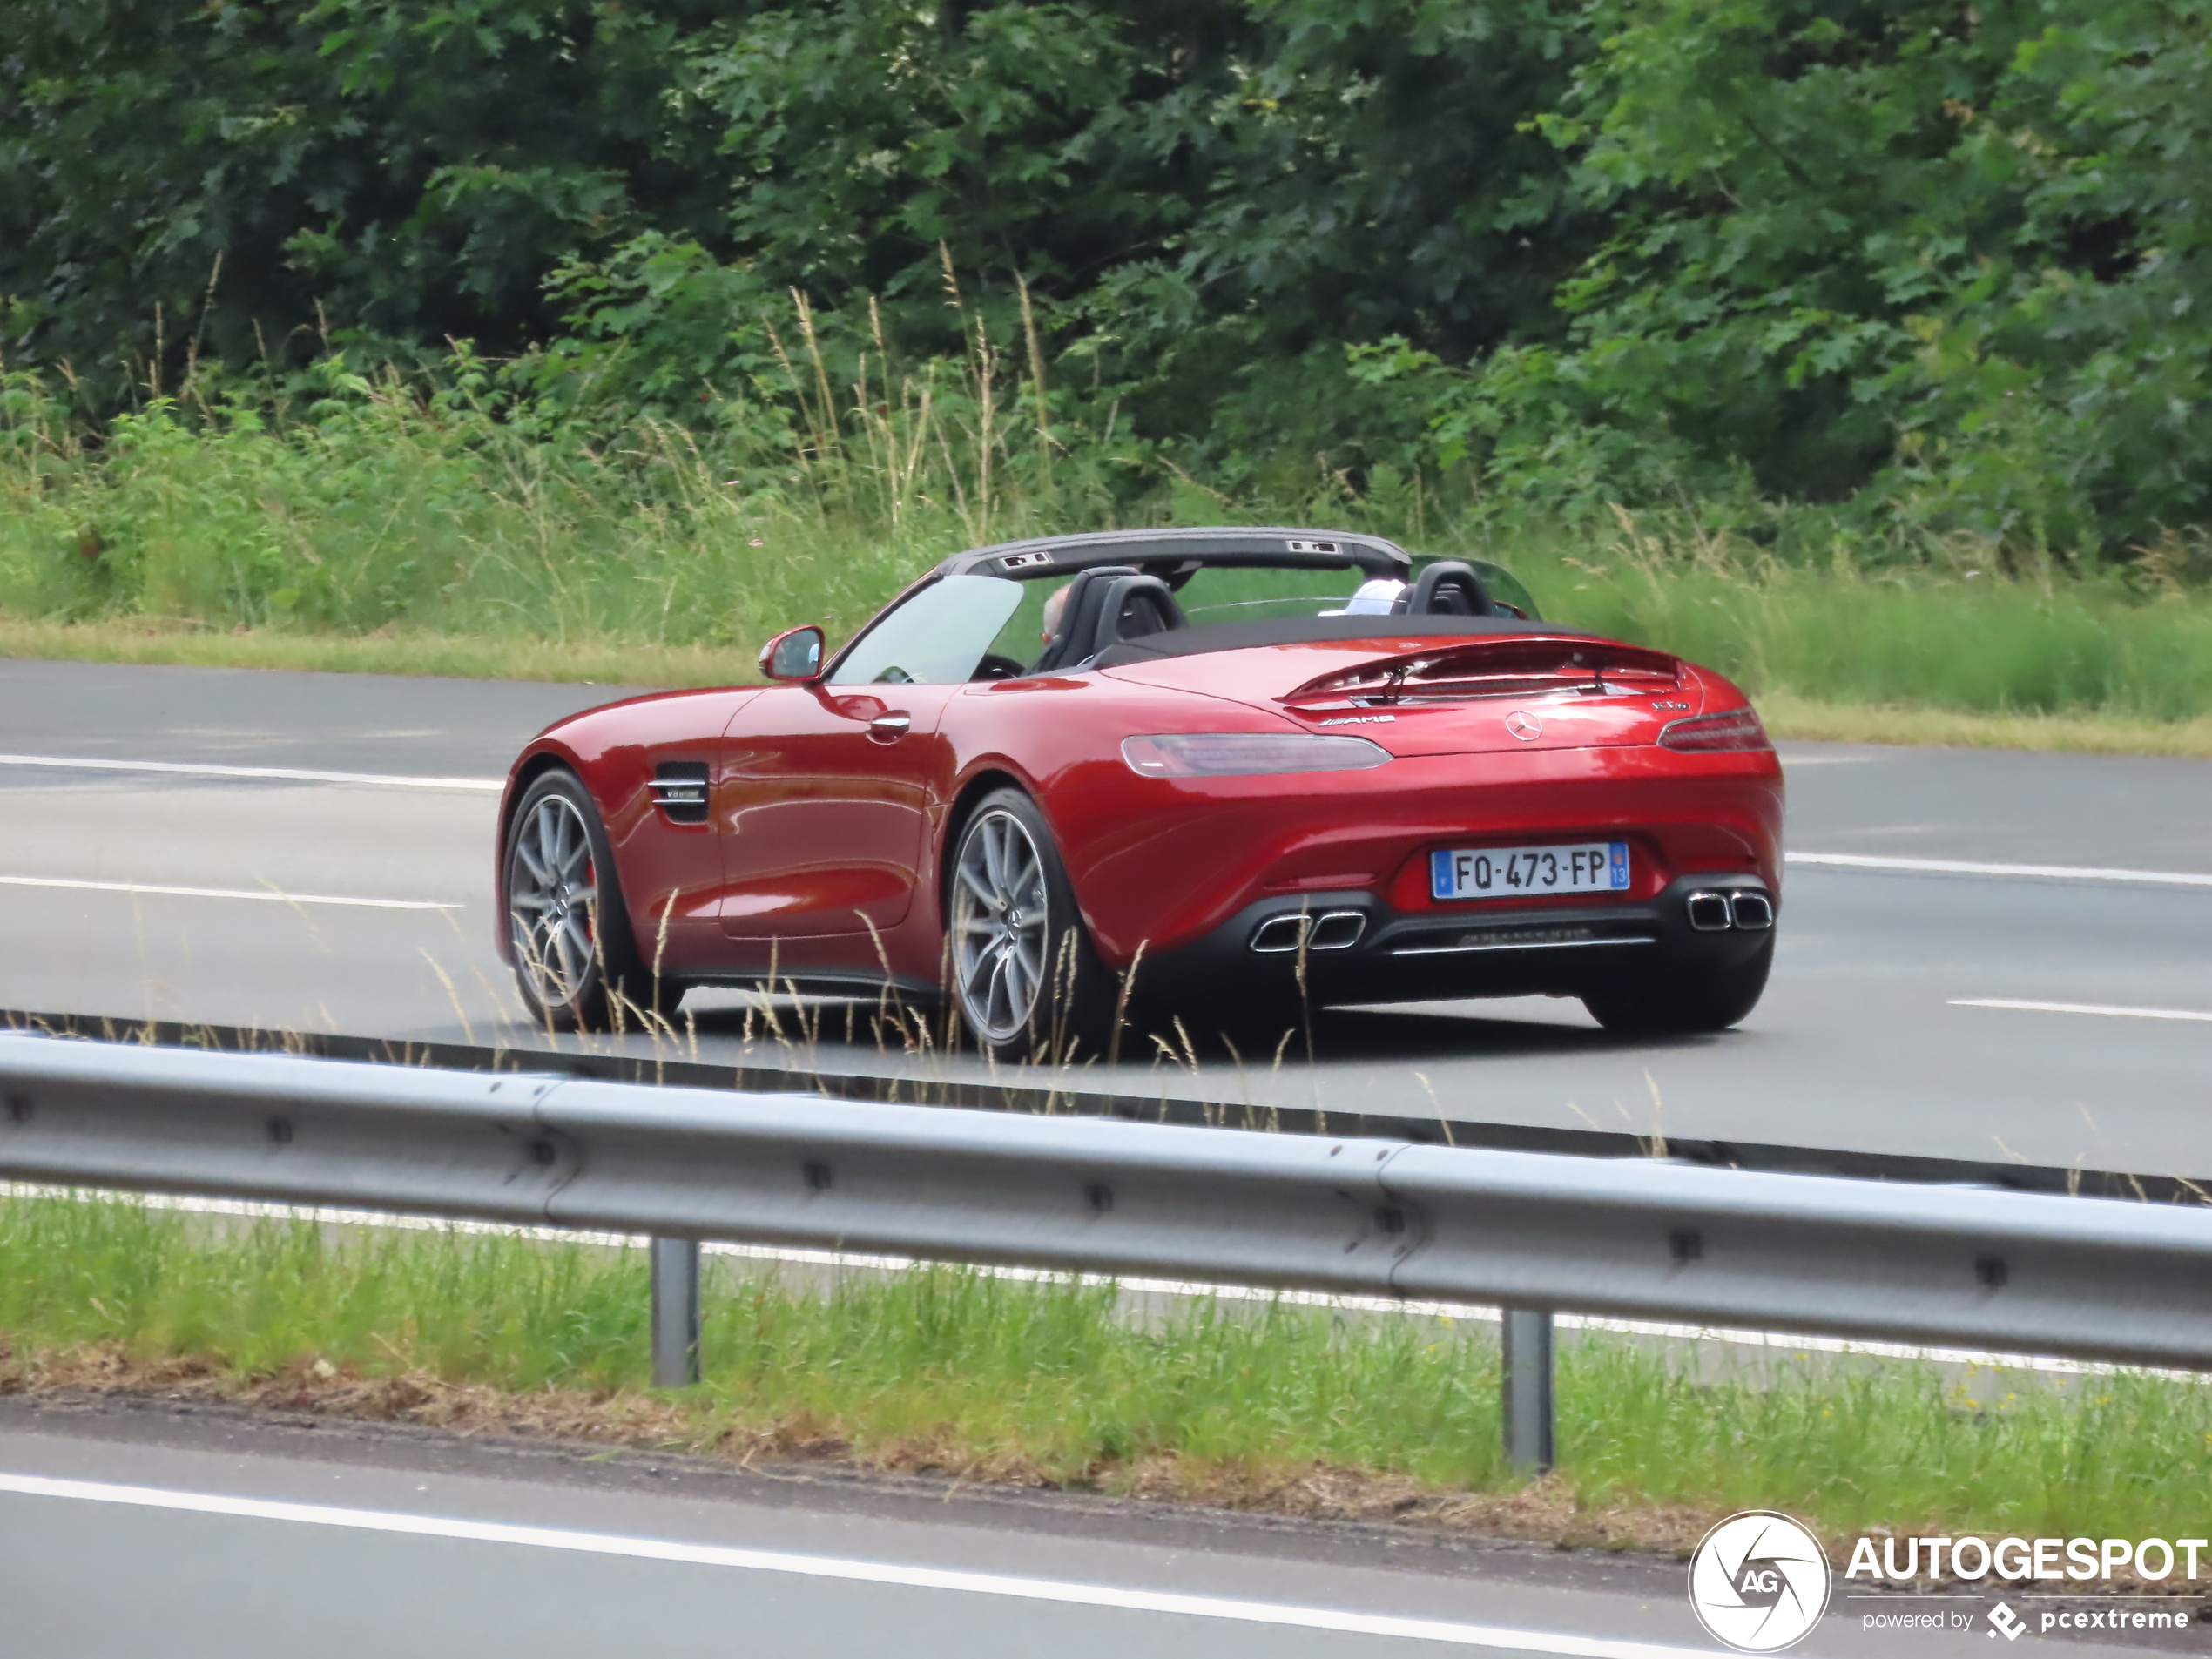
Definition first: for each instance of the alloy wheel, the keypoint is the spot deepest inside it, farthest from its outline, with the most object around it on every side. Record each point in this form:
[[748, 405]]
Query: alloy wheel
[[1001, 925], [553, 900]]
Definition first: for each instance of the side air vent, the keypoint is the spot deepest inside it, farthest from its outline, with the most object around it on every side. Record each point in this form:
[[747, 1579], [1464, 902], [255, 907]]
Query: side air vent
[[679, 790]]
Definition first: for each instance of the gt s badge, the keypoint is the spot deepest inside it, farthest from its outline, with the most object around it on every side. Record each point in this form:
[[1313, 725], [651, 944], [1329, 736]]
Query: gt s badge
[[1658, 706]]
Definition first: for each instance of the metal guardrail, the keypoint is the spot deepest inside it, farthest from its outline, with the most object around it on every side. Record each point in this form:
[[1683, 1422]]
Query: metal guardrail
[[2092, 1279], [1079, 1091]]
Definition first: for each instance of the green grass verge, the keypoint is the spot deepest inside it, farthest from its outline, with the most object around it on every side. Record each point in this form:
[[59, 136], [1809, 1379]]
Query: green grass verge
[[397, 530], [1788, 714], [1791, 715], [386, 651], [960, 1373]]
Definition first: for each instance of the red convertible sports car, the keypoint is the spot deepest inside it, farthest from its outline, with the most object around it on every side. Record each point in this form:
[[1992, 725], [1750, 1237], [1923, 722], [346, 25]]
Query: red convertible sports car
[[1068, 783]]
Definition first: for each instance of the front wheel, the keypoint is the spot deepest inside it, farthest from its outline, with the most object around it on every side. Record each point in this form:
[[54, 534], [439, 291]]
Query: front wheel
[[1027, 982], [1684, 1000], [568, 930]]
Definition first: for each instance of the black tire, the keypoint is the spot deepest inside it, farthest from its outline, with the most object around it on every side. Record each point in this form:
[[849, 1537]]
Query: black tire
[[575, 955], [1025, 989], [1684, 1000]]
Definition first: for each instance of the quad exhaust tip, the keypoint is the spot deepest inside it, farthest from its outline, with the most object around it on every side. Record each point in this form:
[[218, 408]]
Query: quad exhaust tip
[[1709, 912], [1753, 912], [1713, 913], [1332, 930]]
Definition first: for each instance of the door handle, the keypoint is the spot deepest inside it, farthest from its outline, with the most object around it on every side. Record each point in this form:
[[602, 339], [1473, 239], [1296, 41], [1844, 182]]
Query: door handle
[[889, 728]]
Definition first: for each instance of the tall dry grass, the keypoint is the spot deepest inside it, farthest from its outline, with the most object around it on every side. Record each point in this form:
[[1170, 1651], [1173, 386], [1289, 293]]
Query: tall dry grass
[[455, 522]]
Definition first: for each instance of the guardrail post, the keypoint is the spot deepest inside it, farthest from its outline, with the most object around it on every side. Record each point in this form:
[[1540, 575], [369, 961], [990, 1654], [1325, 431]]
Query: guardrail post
[[1527, 1341], [675, 1312]]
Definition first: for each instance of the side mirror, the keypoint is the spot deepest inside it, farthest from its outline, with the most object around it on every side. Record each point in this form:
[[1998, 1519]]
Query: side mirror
[[795, 654]]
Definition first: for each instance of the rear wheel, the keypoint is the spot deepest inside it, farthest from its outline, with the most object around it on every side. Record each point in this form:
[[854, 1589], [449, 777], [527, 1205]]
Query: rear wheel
[[575, 960], [1684, 1000], [1026, 979]]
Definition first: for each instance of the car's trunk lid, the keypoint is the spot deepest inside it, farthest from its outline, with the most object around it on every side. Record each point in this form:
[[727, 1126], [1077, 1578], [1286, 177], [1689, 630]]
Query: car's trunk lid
[[1450, 696]]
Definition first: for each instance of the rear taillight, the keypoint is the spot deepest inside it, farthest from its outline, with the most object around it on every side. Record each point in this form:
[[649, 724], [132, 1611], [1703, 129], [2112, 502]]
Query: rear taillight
[[1715, 733], [1245, 754]]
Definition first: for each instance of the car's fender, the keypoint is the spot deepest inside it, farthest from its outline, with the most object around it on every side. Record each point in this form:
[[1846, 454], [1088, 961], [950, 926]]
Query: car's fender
[[667, 871]]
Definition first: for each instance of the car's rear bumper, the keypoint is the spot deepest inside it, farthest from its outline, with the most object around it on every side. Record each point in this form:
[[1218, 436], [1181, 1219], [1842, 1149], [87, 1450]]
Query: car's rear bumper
[[1170, 864], [1389, 956]]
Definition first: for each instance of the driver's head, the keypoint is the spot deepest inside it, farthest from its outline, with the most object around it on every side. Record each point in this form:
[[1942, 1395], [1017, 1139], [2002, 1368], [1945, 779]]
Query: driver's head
[[1056, 606]]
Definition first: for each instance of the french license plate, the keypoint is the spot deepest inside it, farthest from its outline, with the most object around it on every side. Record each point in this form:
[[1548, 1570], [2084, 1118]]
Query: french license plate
[[1520, 872]]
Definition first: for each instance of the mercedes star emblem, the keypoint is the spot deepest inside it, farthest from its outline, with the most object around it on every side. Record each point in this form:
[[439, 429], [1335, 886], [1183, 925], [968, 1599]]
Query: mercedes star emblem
[[1524, 725]]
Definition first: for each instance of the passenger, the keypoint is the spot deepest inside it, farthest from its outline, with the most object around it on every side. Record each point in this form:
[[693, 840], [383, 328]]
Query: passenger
[[1378, 598]]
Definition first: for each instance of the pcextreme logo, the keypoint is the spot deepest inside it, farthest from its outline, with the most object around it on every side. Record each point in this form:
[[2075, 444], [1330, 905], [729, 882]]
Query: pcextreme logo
[[1758, 1582]]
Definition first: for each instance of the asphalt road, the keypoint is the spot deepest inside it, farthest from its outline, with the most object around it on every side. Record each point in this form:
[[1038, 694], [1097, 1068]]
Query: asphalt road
[[139, 1529], [1876, 1034]]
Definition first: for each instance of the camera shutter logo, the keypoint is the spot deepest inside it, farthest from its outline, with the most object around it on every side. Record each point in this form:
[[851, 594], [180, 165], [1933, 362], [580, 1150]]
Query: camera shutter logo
[[1758, 1582]]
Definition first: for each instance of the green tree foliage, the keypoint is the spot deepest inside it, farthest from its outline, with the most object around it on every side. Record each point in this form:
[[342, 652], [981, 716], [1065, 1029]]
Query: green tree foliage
[[402, 170], [1936, 264], [1946, 261], [1304, 170]]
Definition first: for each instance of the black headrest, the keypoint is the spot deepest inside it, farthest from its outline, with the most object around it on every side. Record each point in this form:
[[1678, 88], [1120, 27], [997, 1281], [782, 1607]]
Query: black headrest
[[1104, 604], [1446, 588], [1134, 606], [1079, 612]]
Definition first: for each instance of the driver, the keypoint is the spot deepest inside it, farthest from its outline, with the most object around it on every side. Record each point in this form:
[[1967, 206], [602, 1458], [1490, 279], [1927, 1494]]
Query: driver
[[1055, 605]]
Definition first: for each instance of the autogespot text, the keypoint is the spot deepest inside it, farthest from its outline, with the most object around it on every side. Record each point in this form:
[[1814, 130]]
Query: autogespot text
[[2019, 1560]]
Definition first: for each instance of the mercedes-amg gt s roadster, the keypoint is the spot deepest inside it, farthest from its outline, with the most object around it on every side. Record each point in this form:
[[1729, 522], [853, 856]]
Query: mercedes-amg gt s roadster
[[1071, 782]]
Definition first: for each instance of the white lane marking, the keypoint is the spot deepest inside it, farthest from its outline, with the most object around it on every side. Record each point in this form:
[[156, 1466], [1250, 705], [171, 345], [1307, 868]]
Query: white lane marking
[[1796, 1342], [1967, 867], [282, 774], [772, 1561], [267, 895], [2078, 1008]]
